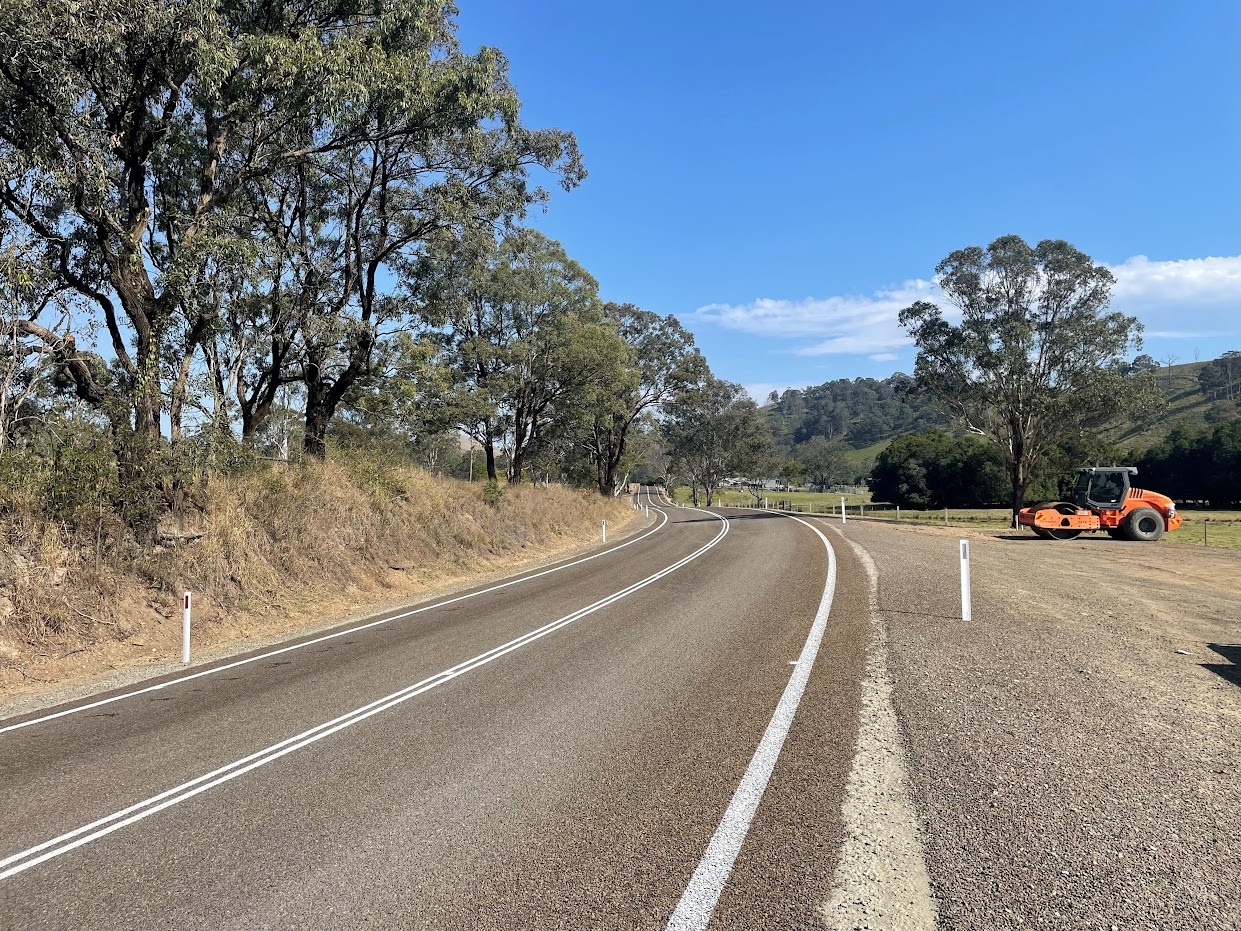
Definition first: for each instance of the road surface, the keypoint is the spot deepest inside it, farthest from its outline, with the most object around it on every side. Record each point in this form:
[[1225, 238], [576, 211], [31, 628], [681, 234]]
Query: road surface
[[657, 736]]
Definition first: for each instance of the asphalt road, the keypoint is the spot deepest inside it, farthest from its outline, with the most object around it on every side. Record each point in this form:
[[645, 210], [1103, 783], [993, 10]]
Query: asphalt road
[[556, 753]]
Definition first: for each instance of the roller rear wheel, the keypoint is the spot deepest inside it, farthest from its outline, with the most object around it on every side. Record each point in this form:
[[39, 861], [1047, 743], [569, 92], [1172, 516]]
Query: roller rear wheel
[[1143, 525]]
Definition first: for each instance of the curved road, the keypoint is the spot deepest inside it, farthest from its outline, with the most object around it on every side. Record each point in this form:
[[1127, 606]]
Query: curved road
[[598, 745]]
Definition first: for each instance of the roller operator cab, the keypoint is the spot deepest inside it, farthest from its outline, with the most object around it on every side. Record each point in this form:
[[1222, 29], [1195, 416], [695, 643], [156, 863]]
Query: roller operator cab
[[1104, 499]]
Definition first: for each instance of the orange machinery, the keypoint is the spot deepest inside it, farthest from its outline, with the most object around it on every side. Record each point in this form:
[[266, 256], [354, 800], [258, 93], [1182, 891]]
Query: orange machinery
[[1104, 499]]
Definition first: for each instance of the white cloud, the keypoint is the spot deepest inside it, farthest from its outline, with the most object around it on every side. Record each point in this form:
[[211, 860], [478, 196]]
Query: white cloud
[[883, 357], [1177, 299], [855, 324]]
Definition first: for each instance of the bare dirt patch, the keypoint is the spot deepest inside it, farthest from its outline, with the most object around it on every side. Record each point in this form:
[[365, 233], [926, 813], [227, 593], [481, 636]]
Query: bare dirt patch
[[1075, 749]]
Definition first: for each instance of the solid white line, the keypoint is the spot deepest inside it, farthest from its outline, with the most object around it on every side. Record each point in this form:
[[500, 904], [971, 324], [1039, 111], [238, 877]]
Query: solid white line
[[339, 633], [697, 904], [71, 840]]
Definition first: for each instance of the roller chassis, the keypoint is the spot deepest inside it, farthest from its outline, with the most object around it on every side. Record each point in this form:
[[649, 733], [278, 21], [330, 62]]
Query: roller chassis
[[1104, 500]]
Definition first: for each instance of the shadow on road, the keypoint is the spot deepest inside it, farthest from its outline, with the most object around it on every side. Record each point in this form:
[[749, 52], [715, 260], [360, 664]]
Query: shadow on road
[[1016, 537], [699, 520], [1230, 670]]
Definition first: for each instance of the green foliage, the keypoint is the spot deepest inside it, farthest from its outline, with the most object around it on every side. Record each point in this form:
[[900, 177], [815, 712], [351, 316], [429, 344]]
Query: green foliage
[[937, 470], [715, 431], [1196, 464], [823, 460], [492, 493], [527, 353]]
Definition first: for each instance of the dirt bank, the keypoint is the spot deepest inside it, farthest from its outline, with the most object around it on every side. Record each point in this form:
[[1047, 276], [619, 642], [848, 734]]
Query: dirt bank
[[279, 551]]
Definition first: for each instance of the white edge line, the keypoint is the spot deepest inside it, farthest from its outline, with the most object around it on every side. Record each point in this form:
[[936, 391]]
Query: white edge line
[[339, 633], [96, 829], [698, 902]]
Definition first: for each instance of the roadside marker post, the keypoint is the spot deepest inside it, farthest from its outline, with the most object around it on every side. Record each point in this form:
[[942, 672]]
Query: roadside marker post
[[967, 613], [185, 630], [605, 531], [842, 511]]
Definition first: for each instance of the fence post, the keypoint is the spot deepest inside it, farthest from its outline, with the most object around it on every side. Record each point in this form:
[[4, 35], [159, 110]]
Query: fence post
[[966, 608]]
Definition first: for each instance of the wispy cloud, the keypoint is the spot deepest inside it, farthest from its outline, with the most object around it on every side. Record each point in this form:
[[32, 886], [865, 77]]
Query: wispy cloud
[[1179, 299]]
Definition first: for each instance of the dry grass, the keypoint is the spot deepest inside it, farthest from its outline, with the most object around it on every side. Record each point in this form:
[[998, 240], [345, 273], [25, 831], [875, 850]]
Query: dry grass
[[297, 542]]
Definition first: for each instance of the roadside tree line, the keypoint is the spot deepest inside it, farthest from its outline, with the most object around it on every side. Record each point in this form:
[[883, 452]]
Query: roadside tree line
[[226, 226]]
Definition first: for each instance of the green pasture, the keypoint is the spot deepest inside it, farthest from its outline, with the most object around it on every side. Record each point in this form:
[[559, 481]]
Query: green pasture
[[1223, 528]]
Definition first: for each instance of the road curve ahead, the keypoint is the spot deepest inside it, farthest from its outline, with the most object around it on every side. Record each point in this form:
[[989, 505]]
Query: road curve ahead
[[654, 737]]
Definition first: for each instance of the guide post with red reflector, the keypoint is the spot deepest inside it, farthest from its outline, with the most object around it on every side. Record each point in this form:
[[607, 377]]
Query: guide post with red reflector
[[185, 629]]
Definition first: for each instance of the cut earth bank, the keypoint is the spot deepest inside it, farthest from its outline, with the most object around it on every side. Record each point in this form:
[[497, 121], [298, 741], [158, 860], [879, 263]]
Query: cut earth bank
[[282, 554], [1075, 750]]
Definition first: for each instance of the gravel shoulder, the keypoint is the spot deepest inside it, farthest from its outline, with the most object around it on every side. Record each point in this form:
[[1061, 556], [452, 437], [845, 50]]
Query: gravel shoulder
[[1074, 751]]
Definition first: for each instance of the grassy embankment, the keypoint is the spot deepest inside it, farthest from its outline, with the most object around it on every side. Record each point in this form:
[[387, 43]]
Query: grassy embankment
[[280, 548], [1223, 528]]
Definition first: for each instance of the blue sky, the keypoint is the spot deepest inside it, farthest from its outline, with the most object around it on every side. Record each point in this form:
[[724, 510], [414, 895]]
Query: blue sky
[[783, 178]]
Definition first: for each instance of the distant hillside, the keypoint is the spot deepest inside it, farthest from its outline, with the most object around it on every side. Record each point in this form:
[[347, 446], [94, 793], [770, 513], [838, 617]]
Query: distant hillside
[[1187, 402], [860, 412], [866, 413]]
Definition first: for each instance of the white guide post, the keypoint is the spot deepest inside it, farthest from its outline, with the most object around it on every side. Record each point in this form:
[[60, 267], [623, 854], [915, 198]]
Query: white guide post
[[185, 629], [605, 531], [843, 519], [898, 512], [967, 612]]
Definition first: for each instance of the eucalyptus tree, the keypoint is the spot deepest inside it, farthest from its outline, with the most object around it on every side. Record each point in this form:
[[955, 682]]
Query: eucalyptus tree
[[525, 339], [823, 460], [715, 431], [661, 361], [137, 135], [1036, 359]]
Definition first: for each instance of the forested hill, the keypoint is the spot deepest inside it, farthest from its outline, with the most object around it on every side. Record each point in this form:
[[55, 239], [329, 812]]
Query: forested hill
[[860, 412], [864, 413]]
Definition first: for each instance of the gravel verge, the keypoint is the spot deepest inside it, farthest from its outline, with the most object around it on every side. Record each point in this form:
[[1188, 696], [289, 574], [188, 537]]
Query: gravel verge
[[881, 881], [1075, 750]]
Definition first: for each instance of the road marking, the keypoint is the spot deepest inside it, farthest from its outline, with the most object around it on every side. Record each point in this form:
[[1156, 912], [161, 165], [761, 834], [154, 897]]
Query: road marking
[[71, 840], [697, 904], [339, 633]]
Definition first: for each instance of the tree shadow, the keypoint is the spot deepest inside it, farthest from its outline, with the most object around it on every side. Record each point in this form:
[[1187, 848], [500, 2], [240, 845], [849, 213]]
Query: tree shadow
[[1018, 537], [1230, 670]]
